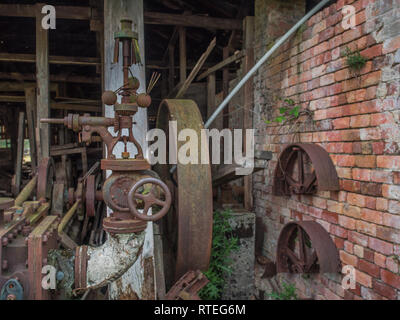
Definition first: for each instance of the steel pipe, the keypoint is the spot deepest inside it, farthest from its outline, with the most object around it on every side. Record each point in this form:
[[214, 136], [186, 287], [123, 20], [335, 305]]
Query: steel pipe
[[262, 60]]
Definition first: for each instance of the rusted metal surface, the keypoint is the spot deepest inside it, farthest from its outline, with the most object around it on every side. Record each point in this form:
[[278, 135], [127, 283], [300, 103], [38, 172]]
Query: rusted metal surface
[[191, 216], [81, 259], [46, 176], [149, 199], [90, 196], [40, 241], [188, 286], [306, 247], [304, 169], [6, 203]]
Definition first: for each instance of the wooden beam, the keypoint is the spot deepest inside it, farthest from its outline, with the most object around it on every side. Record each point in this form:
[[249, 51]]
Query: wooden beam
[[248, 31], [8, 86], [182, 54], [62, 12], [76, 107], [53, 78], [171, 65], [64, 60], [20, 153], [196, 69], [30, 97], [238, 55], [42, 84], [195, 21], [210, 94], [18, 99]]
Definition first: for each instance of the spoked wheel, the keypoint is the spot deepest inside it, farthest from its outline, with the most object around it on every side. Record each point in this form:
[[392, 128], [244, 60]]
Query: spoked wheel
[[300, 175], [187, 229], [306, 247], [304, 168]]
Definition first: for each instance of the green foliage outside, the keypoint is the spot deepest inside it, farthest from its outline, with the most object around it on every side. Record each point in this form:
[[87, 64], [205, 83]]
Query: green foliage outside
[[355, 61], [223, 244], [288, 292], [289, 111]]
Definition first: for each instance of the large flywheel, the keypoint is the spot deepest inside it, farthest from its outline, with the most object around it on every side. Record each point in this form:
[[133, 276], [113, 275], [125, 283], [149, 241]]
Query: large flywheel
[[187, 229]]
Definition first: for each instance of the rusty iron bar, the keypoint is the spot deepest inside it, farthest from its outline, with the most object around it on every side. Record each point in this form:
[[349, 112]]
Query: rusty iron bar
[[68, 216], [26, 192]]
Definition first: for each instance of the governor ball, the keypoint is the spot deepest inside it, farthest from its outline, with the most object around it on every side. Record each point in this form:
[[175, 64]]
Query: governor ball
[[143, 100], [109, 98]]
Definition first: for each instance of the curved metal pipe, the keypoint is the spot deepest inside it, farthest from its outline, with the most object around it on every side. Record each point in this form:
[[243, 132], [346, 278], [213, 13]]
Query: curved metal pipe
[[110, 261]]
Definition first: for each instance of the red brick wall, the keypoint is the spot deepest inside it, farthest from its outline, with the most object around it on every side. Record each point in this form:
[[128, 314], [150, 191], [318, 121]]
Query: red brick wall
[[357, 122]]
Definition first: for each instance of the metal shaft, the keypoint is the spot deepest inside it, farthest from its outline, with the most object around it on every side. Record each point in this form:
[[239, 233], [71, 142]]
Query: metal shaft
[[262, 60], [26, 192]]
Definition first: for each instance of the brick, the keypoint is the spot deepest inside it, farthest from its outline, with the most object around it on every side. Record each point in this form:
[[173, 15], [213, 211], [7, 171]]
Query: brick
[[388, 234], [335, 206], [341, 123], [319, 202], [327, 79], [361, 174], [348, 259], [371, 79], [369, 294], [369, 268], [370, 203], [393, 206], [358, 251], [372, 189], [346, 161], [392, 265], [380, 260], [360, 121], [390, 278], [350, 185], [365, 227], [380, 246], [348, 247], [352, 211], [391, 220], [381, 176], [347, 223], [396, 177], [364, 279], [378, 147], [344, 173], [381, 118], [369, 255], [391, 45], [384, 290], [338, 231], [356, 199], [372, 52], [382, 204], [390, 162], [357, 96], [391, 191], [331, 217], [371, 216], [365, 161]]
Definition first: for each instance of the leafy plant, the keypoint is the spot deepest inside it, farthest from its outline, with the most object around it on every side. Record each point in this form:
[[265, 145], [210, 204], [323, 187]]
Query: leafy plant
[[355, 61], [288, 112], [288, 292], [223, 244]]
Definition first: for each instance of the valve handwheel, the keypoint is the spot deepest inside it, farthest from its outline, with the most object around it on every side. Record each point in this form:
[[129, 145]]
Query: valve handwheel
[[149, 199]]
